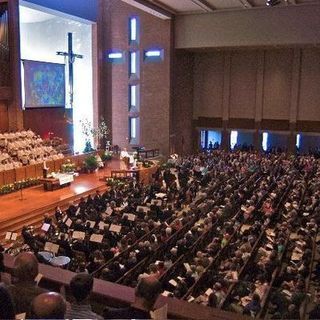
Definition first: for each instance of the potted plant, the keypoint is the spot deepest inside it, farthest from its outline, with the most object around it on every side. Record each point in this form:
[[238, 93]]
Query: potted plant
[[106, 156], [91, 163]]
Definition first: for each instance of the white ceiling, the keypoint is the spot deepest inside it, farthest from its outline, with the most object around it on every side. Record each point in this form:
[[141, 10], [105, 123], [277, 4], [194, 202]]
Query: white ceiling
[[203, 6], [28, 15]]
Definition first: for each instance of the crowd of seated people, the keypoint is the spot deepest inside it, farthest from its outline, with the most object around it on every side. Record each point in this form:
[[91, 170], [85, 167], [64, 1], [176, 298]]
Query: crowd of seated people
[[213, 229], [24, 147]]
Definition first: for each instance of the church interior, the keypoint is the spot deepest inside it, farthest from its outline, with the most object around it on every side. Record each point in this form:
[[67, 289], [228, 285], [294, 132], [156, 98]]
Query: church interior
[[159, 159]]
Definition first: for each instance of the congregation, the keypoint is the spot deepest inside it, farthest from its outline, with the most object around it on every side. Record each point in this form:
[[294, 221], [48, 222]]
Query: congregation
[[229, 230]]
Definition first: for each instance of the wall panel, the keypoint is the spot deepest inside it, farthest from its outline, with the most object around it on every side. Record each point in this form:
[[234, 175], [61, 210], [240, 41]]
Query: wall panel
[[277, 84], [208, 84], [309, 108], [243, 84]]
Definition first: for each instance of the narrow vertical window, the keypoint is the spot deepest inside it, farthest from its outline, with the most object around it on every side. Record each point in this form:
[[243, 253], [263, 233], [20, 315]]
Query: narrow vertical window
[[233, 139], [265, 141], [133, 31], [133, 128], [298, 139], [133, 63], [133, 97]]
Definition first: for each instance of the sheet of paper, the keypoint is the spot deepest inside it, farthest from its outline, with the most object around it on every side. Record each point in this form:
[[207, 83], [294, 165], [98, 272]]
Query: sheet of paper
[[160, 314], [8, 235], [45, 227], [115, 228], [69, 223], [173, 282], [78, 235], [38, 278], [96, 238], [208, 292]]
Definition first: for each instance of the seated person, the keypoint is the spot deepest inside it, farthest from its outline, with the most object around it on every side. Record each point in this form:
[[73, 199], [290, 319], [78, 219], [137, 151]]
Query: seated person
[[146, 294]]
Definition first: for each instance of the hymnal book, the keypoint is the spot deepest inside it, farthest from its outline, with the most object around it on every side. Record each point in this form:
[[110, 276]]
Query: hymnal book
[[38, 278], [145, 209], [11, 236], [92, 223], [156, 202], [109, 211], [101, 225], [208, 292], [160, 314], [96, 238], [78, 235], [69, 223], [173, 282], [51, 247], [131, 217], [45, 227], [115, 228]]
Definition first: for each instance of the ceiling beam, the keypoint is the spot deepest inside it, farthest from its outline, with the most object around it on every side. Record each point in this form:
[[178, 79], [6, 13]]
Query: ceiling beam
[[290, 2], [246, 3], [163, 6], [203, 4], [151, 8]]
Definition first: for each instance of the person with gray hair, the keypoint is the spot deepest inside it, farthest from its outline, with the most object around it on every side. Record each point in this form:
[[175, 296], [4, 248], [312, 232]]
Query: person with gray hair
[[25, 289]]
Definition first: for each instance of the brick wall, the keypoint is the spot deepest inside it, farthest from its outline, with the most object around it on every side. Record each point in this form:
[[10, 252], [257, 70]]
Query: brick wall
[[154, 77]]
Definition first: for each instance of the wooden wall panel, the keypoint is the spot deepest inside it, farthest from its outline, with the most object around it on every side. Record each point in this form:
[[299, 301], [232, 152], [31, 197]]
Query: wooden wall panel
[[56, 120], [30, 171], [50, 165], [57, 164], [277, 84], [9, 176], [208, 84], [308, 107], [39, 170], [20, 173], [243, 84], [4, 121], [1, 178]]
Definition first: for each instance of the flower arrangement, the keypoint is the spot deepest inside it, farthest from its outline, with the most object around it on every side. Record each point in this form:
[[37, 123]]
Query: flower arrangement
[[8, 188], [111, 182], [101, 132], [68, 167]]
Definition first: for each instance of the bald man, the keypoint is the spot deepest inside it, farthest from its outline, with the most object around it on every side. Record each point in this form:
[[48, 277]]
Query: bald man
[[25, 288], [49, 305]]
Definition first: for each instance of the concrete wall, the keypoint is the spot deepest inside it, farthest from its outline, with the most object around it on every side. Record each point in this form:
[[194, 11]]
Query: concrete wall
[[277, 26]]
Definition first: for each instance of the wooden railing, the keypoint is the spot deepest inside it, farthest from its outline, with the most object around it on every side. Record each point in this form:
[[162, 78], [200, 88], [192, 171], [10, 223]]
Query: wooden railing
[[110, 294], [148, 153]]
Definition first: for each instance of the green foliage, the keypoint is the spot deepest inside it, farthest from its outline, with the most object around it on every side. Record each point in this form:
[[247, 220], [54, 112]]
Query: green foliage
[[106, 156], [8, 188], [91, 163]]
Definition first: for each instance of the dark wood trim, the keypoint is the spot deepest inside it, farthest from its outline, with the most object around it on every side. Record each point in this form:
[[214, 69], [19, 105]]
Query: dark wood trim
[[308, 126], [5, 93], [237, 123], [208, 122], [277, 125]]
